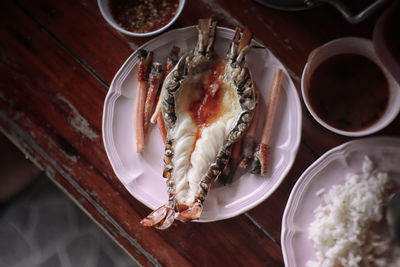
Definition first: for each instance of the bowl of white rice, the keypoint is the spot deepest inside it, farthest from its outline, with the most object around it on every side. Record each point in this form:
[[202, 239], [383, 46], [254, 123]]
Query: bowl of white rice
[[347, 228], [335, 213]]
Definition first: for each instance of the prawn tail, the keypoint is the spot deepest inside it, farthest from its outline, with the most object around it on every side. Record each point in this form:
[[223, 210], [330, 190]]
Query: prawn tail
[[192, 213], [161, 218]]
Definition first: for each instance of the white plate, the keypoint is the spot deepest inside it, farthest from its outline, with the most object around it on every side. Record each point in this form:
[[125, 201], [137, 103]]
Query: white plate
[[142, 173], [330, 169]]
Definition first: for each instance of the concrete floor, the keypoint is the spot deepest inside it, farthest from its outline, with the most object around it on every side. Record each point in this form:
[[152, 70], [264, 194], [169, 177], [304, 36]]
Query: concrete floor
[[41, 227]]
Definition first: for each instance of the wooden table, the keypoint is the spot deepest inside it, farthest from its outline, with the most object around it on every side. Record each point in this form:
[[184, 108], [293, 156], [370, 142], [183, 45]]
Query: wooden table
[[58, 59]]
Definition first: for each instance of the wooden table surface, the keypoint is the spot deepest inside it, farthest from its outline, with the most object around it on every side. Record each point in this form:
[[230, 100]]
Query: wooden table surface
[[58, 59]]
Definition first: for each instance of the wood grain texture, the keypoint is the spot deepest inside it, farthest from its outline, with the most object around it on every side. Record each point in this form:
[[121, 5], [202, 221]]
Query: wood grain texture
[[57, 59]]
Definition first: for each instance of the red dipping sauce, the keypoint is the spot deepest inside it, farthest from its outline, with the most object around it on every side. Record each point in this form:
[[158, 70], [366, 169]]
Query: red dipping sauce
[[348, 92]]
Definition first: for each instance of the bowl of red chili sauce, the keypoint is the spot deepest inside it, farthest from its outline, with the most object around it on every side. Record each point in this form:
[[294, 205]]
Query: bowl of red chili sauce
[[347, 89], [140, 18]]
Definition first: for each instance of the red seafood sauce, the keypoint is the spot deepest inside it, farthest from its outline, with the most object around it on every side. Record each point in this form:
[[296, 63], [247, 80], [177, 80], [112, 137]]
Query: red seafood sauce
[[142, 16], [348, 91], [207, 108]]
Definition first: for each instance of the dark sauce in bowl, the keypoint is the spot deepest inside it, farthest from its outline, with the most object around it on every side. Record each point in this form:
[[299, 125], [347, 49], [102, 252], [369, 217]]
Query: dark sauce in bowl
[[348, 92], [142, 16]]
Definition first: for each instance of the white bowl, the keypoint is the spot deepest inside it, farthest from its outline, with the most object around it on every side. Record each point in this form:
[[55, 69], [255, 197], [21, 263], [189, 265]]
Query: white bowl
[[105, 11], [352, 45]]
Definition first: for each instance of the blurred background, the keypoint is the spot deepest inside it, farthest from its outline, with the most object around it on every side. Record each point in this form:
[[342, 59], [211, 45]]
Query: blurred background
[[41, 227]]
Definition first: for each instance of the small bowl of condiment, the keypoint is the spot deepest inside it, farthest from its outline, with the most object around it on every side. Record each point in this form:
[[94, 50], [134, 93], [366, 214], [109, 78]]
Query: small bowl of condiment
[[140, 18], [347, 89]]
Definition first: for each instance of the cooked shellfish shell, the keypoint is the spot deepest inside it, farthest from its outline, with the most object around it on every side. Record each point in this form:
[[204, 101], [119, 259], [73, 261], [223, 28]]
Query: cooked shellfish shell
[[207, 104]]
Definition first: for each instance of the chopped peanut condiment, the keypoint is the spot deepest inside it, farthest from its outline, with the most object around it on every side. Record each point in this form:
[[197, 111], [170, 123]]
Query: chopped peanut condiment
[[142, 16]]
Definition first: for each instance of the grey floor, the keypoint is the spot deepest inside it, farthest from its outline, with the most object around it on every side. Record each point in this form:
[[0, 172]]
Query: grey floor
[[41, 227]]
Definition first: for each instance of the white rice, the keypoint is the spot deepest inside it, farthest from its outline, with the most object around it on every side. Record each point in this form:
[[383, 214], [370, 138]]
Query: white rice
[[349, 229]]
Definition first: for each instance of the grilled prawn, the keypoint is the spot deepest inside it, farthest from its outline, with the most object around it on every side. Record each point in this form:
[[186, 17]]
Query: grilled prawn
[[207, 104]]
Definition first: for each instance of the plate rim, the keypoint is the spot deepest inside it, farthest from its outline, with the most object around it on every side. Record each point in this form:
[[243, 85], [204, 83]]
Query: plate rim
[[113, 94]]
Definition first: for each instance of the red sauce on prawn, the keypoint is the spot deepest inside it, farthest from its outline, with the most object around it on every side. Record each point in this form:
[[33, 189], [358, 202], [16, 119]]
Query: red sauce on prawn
[[207, 108]]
